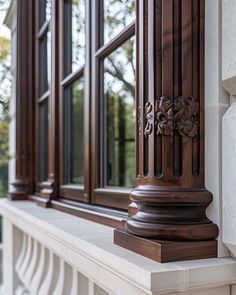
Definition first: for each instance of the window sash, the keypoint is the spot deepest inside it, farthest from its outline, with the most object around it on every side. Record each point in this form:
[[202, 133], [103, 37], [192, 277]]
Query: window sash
[[93, 190]]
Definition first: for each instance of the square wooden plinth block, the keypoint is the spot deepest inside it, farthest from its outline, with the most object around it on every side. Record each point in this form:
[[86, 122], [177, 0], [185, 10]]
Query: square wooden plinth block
[[163, 251]]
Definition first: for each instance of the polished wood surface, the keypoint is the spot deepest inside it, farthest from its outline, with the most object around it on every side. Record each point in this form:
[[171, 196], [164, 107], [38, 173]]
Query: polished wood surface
[[170, 195], [170, 199], [164, 251], [24, 184]]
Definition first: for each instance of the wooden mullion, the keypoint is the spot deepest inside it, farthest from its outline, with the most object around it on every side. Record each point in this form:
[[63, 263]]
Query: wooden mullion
[[72, 77], [61, 95], [44, 29], [117, 41], [36, 96], [87, 105], [77, 192], [44, 97], [96, 26]]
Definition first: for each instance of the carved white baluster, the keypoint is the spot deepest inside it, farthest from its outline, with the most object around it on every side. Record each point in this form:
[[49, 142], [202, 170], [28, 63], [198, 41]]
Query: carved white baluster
[[21, 290], [91, 287], [27, 259], [32, 266], [47, 285], [39, 273], [61, 280], [74, 284], [22, 253]]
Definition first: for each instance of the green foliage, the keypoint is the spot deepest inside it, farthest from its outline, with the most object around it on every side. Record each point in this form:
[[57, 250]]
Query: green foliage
[[5, 90], [4, 123], [4, 47], [119, 86]]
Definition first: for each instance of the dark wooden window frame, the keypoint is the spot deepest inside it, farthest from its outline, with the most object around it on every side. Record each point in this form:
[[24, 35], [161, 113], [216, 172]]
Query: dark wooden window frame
[[167, 219], [66, 197], [40, 32], [71, 191], [108, 196], [91, 192]]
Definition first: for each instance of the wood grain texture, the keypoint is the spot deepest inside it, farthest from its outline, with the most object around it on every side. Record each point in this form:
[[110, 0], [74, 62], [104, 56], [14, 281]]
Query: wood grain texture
[[23, 184], [163, 251], [170, 197]]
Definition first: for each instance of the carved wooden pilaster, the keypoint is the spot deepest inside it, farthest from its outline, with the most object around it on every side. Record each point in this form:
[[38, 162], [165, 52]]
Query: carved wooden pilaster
[[170, 195], [49, 188], [23, 184]]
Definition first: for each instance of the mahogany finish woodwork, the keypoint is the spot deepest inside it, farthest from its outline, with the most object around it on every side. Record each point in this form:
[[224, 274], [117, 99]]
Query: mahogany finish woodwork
[[166, 251], [101, 194], [170, 195], [23, 184], [48, 190], [167, 219]]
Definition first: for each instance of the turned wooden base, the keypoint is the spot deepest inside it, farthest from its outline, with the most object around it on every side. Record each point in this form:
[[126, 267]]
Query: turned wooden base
[[162, 251]]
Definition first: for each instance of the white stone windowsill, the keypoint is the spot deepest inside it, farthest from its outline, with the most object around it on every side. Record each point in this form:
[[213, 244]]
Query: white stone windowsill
[[89, 247]]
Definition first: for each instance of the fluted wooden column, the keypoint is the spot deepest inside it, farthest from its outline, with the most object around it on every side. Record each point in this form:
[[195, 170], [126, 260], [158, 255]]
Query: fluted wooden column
[[23, 184], [170, 195]]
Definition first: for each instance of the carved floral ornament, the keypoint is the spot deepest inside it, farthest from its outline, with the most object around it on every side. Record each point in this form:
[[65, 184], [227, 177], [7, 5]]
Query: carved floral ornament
[[181, 115], [186, 117], [164, 116]]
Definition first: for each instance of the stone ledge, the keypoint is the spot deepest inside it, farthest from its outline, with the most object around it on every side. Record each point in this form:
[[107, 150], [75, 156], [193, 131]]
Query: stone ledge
[[89, 247]]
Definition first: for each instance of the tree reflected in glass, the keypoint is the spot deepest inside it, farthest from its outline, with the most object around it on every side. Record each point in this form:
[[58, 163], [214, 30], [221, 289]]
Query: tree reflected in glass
[[117, 15], [44, 11], [119, 95], [74, 125], [74, 12]]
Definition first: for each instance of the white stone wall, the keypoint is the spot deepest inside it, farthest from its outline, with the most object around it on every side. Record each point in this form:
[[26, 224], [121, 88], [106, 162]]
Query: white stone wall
[[229, 124], [53, 253], [216, 104]]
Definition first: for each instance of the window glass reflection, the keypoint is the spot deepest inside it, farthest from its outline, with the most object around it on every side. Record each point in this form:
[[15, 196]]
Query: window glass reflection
[[74, 124], [43, 141], [117, 15], [74, 32], [44, 63], [119, 124], [44, 11]]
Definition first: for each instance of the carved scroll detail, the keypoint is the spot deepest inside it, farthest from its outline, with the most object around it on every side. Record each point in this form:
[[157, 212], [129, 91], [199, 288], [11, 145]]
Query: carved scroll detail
[[148, 117], [164, 116], [186, 118]]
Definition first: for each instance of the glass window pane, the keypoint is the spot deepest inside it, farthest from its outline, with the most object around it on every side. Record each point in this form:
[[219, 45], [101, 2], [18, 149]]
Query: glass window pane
[[74, 35], [44, 11], [117, 15], [74, 125], [119, 125], [44, 63], [43, 141]]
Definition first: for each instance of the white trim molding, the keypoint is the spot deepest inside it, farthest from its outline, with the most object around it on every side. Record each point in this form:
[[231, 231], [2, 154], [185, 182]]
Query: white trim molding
[[48, 249], [229, 124]]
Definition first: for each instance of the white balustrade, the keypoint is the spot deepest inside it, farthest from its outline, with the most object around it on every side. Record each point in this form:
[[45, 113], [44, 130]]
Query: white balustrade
[[42, 272]]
